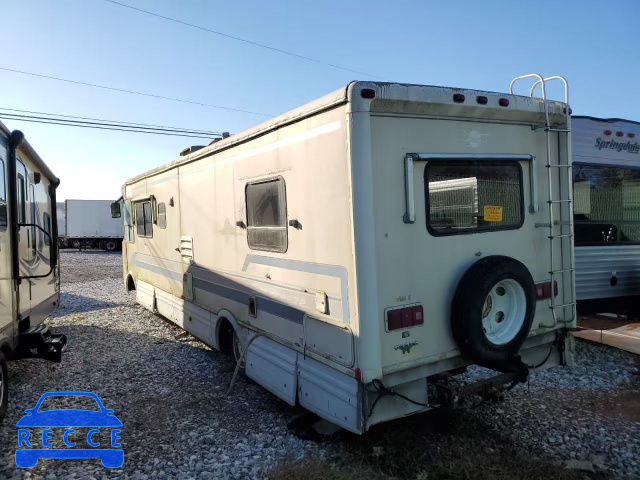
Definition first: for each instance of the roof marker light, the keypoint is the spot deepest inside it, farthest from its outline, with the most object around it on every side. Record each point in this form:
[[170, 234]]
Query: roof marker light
[[482, 100], [619, 134], [503, 102], [631, 135], [368, 93], [458, 97], [608, 132]]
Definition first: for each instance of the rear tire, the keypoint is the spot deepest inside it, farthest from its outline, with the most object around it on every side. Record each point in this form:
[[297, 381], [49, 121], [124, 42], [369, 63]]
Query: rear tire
[[493, 309], [4, 387], [110, 245]]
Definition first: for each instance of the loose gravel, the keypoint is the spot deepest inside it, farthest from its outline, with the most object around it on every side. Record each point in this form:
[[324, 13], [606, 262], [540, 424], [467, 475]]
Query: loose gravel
[[169, 390]]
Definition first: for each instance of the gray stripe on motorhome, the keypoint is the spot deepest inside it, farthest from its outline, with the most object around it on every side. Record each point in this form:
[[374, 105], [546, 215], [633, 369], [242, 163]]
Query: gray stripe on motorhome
[[595, 265], [308, 267], [265, 304], [220, 285], [165, 272]]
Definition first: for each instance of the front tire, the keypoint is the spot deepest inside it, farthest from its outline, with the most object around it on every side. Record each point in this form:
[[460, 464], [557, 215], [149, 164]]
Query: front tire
[[4, 387]]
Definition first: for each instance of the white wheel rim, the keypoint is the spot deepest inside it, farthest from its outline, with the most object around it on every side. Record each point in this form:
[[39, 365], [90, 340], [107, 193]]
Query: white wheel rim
[[504, 311]]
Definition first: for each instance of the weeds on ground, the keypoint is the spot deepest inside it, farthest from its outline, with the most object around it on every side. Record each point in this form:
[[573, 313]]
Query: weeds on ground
[[434, 446]]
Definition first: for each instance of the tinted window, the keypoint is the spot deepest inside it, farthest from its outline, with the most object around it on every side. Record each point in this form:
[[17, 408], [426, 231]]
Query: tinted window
[[46, 220], [3, 197], [606, 208], [162, 215], [22, 213], [267, 215], [148, 219], [140, 219], [474, 196]]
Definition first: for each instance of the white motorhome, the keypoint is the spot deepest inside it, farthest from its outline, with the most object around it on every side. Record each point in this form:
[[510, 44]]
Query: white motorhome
[[606, 175], [88, 224], [360, 250], [29, 272]]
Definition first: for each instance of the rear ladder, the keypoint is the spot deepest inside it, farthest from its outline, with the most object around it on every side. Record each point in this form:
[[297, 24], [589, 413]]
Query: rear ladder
[[555, 218]]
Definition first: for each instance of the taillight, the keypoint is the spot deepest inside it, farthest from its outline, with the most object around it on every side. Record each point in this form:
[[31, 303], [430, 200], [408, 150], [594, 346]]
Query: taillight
[[405, 317], [543, 290]]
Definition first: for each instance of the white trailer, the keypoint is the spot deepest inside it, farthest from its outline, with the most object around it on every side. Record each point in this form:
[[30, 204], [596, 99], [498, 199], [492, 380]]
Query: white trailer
[[606, 175], [356, 253], [88, 224], [29, 271]]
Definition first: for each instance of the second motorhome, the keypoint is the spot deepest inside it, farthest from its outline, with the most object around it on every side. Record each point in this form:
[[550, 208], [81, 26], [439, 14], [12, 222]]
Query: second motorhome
[[358, 252], [29, 271], [606, 157]]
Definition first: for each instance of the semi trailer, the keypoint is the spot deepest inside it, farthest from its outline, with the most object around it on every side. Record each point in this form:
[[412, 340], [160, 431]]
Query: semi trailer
[[88, 224]]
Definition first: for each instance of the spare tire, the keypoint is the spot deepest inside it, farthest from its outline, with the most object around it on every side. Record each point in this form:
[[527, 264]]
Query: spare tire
[[493, 309]]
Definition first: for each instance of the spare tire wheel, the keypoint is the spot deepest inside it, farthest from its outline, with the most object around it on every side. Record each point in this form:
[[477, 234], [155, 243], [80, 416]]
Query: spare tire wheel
[[493, 309]]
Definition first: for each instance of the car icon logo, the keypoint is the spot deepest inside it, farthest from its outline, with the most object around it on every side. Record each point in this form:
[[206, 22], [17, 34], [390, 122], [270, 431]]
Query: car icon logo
[[80, 430]]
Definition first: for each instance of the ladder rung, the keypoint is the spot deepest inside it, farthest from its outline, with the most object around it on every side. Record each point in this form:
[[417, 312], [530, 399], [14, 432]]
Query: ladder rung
[[553, 272], [559, 201], [564, 130], [563, 305], [558, 166], [561, 236]]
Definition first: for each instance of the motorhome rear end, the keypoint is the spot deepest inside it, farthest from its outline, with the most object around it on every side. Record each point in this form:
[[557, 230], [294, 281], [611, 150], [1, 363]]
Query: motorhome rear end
[[367, 245]]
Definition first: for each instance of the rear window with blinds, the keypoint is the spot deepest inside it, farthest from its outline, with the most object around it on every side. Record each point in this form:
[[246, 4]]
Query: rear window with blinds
[[470, 197]]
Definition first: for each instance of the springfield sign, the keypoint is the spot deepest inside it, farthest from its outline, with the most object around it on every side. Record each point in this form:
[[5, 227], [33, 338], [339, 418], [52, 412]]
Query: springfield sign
[[617, 146]]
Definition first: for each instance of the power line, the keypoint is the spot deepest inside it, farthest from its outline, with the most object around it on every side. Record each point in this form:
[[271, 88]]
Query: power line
[[101, 121], [133, 92], [244, 40], [53, 121]]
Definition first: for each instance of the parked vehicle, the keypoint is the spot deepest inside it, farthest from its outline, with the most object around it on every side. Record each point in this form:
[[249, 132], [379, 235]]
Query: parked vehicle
[[358, 252], [606, 175], [30, 276], [88, 224]]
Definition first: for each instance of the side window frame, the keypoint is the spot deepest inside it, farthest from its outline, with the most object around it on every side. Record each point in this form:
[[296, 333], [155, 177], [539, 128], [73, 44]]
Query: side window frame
[[282, 203], [487, 163], [161, 218], [3, 197], [144, 224]]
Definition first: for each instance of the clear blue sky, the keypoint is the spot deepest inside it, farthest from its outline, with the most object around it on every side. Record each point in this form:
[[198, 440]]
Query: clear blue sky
[[472, 44]]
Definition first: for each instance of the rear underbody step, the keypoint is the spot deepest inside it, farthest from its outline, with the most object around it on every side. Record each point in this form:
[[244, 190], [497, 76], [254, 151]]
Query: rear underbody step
[[39, 342]]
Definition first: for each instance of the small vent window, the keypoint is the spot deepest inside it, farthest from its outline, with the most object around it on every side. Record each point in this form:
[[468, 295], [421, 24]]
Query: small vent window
[[267, 215], [162, 215]]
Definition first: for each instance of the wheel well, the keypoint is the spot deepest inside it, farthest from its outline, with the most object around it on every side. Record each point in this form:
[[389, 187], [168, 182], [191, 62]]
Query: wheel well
[[6, 350], [131, 284], [225, 335]]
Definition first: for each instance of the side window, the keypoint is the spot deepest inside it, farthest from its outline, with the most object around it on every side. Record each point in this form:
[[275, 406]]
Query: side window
[[162, 215], [144, 219], [46, 220], [267, 215], [22, 212], [3, 198], [128, 221], [33, 217]]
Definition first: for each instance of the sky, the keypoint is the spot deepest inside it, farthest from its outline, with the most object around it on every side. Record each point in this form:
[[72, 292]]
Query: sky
[[468, 44]]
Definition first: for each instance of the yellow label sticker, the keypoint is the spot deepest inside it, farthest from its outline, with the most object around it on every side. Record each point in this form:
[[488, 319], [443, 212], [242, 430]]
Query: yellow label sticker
[[492, 213]]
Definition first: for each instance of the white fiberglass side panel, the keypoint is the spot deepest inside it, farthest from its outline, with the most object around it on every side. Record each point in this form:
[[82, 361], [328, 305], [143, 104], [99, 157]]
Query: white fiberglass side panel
[[329, 393], [145, 295], [273, 366]]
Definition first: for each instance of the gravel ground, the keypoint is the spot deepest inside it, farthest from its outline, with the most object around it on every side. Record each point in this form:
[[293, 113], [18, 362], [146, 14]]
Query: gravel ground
[[169, 391]]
